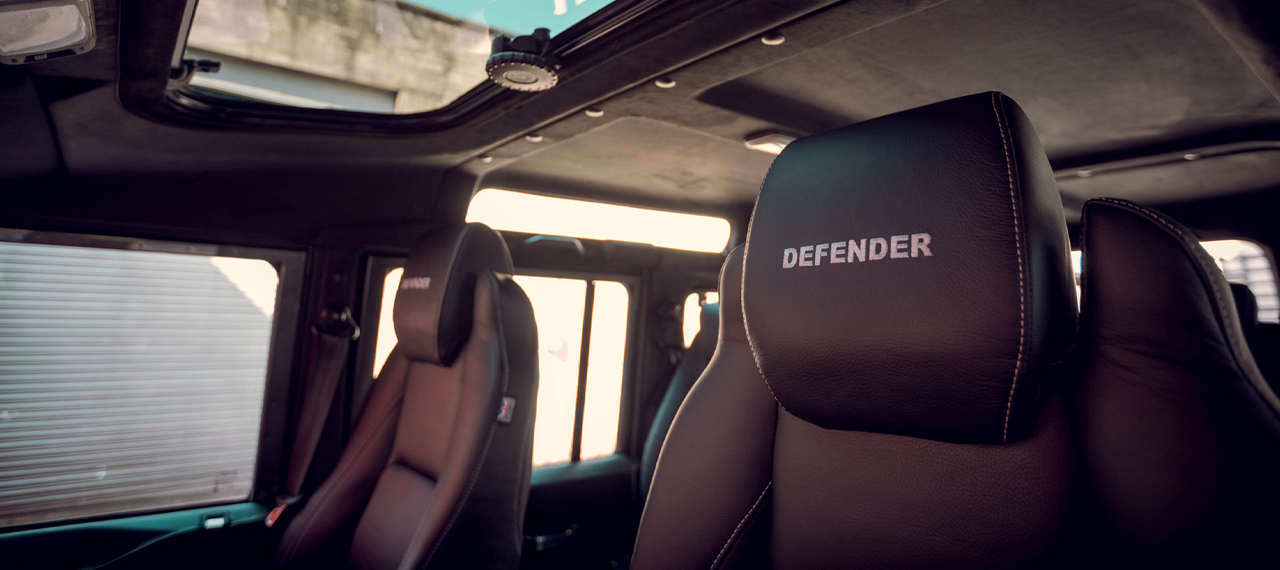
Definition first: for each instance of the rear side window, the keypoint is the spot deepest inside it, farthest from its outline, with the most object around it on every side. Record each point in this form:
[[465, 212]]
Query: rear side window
[[582, 345], [129, 380]]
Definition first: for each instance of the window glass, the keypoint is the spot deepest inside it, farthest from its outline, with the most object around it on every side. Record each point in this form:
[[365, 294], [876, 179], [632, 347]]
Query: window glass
[[1241, 261], [529, 213], [558, 309], [693, 314], [129, 380], [386, 330], [381, 56], [605, 364], [1246, 262]]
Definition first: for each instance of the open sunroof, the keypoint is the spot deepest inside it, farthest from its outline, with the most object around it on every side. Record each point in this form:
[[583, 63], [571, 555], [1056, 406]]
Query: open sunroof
[[379, 56]]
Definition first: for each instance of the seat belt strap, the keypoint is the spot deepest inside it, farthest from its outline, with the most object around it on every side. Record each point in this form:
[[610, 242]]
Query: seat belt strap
[[335, 329]]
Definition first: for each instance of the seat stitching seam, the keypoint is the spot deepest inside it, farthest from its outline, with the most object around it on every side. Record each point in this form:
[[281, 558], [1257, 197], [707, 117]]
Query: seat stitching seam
[[724, 549], [1022, 289], [742, 283]]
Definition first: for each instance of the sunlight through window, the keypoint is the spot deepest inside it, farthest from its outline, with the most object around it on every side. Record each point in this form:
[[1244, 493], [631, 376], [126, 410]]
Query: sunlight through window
[[604, 369], [558, 306], [529, 213]]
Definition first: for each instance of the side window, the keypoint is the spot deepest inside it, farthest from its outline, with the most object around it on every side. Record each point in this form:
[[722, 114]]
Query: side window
[[692, 313], [582, 342], [1241, 261], [130, 381]]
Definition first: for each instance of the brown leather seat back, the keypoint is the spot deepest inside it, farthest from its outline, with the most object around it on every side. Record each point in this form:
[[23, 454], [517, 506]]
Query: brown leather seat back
[[1180, 432], [883, 393], [436, 473]]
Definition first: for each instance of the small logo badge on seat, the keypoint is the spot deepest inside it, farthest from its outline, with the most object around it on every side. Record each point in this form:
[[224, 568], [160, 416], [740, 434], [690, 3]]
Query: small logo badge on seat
[[508, 410]]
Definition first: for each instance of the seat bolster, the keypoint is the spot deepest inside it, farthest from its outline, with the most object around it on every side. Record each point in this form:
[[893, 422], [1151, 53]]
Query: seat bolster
[[713, 472], [1180, 433], [714, 467], [329, 517]]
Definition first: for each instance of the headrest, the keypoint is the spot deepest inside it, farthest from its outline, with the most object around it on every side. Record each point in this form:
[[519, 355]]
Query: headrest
[[434, 304], [1246, 306], [910, 274]]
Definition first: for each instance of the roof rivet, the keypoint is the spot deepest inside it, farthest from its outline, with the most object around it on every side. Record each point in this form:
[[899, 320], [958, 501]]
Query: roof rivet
[[1084, 173], [533, 138], [773, 39], [665, 83], [594, 113], [1191, 156], [485, 158]]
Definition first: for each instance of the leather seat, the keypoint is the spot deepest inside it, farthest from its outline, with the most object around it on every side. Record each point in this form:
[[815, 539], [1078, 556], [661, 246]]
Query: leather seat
[[1179, 430], [691, 366], [883, 393], [436, 473]]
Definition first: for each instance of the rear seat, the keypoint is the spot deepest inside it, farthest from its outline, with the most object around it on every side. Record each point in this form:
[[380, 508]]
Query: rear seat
[[1263, 338], [691, 366]]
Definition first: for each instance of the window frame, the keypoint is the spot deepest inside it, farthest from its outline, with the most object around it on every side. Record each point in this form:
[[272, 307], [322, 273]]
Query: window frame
[[179, 101], [376, 269], [281, 352]]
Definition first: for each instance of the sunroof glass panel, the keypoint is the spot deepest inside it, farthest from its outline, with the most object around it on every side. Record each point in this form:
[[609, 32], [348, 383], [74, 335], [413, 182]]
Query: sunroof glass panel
[[380, 56]]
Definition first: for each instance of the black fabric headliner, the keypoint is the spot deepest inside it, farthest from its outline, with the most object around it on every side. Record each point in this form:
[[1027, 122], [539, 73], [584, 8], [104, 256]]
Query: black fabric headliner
[[1102, 80]]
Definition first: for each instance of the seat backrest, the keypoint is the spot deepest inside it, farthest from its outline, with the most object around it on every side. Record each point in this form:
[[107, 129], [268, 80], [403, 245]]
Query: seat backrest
[[691, 366], [882, 394], [436, 473], [1179, 430]]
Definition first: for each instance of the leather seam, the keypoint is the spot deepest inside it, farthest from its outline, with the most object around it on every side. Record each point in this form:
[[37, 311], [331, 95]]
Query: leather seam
[[1022, 287], [742, 283], [506, 383], [742, 523], [339, 478]]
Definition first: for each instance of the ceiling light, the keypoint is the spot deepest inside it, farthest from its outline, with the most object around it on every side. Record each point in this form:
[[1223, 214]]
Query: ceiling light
[[771, 142], [38, 30]]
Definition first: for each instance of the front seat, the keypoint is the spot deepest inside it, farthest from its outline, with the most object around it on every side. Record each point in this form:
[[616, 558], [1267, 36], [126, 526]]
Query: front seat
[[691, 366], [436, 473], [883, 391], [1180, 431]]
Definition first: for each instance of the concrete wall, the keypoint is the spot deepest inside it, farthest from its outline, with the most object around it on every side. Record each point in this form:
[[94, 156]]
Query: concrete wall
[[427, 60]]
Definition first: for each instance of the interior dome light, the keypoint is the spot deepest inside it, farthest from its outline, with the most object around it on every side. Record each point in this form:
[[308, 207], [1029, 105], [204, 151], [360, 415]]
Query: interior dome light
[[771, 142], [40, 30]]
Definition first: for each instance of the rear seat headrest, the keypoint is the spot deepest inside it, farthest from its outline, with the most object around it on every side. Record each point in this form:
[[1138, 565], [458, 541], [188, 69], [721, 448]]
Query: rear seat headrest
[[433, 308], [910, 274]]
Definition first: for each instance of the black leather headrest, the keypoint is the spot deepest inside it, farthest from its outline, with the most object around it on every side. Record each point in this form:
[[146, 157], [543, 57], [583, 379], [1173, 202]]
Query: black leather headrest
[[910, 274], [434, 304], [1246, 306]]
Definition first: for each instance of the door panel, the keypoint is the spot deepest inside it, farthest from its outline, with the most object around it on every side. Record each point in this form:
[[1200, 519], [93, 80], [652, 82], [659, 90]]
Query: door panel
[[178, 539]]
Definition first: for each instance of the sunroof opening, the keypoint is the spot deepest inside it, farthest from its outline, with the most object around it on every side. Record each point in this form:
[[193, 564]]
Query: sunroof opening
[[379, 56], [530, 213]]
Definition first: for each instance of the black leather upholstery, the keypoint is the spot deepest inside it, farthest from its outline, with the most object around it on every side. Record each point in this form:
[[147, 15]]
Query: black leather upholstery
[[1180, 433], [432, 476], [433, 306], [691, 366], [938, 285], [856, 462]]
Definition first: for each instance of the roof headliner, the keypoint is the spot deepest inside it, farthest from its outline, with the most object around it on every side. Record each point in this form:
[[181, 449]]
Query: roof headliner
[[1102, 80]]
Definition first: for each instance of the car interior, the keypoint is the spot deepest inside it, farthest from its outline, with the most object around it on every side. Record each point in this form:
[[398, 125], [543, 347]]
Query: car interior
[[652, 284]]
